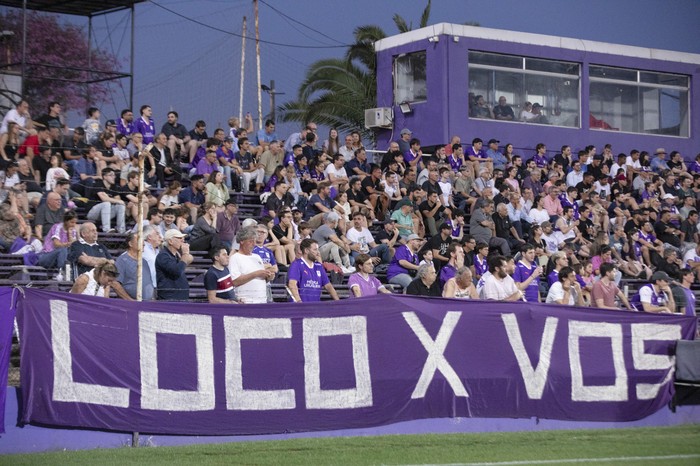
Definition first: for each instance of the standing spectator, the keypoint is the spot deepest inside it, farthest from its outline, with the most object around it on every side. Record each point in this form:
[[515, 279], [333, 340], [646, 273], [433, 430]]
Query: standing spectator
[[605, 290], [425, 283], [228, 223], [126, 265], [125, 124], [92, 125], [527, 274], [152, 240], [687, 278], [145, 124], [566, 291], [171, 262], [483, 228], [363, 283], [248, 271], [307, 276], [218, 281]]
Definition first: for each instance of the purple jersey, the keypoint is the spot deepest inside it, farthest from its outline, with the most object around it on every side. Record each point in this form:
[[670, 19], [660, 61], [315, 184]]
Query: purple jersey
[[455, 163], [553, 277], [446, 272], [565, 202], [470, 152], [369, 287], [694, 167], [521, 274], [656, 299], [310, 280], [267, 256], [148, 130], [540, 160], [395, 268], [289, 159], [480, 266], [126, 129]]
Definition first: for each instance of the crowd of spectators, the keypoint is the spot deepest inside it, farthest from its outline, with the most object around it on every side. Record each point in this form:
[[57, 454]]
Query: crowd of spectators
[[468, 221]]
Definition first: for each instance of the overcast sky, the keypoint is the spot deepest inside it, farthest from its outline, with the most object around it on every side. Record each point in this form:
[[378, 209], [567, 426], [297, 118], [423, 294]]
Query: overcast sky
[[195, 69]]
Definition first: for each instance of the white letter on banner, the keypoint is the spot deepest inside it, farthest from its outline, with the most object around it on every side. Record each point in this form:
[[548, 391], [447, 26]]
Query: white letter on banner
[[649, 362], [244, 328], [153, 397], [317, 398], [580, 392], [436, 357], [64, 388], [535, 378]]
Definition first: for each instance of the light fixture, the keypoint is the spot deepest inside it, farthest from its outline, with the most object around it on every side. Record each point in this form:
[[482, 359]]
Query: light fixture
[[405, 108], [434, 39]]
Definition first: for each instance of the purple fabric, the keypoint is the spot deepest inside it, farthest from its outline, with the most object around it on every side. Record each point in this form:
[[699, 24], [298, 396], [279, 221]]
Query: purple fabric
[[220, 370], [7, 318]]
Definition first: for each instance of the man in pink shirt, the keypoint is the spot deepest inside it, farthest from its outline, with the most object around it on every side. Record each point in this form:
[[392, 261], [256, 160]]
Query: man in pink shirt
[[552, 204]]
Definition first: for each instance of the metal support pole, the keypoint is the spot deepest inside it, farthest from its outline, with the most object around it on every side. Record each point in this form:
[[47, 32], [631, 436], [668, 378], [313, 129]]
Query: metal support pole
[[24, 47], [257, 56], [131, 66], [89, 57], [272, 99], [240, 97]]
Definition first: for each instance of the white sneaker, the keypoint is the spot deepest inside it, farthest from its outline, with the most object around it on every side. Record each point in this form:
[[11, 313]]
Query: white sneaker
[[58, 277], [350, 269]]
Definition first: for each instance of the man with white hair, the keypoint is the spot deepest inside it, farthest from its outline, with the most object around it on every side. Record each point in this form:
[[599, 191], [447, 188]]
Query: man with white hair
[[248, 271], [332, 248]]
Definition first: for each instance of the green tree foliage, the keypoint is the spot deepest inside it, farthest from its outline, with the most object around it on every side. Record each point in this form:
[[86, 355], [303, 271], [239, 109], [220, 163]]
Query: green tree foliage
[[336, 92], [61, 45]]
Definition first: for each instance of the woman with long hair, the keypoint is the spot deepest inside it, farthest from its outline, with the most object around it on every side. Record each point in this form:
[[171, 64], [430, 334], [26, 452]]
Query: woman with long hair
[[217, 192], [332, 144], [96, 282], [538, 213], [56, 172], [9, 144], [169, 198], [512, 179], [508, 152]]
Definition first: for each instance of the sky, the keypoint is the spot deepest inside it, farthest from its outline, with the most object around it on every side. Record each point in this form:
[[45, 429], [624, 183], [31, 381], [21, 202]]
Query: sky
[[192, 63]]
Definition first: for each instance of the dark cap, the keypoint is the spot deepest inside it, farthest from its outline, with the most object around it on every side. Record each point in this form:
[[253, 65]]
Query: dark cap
[[403, 202], [231, 201], [111, 123], [445, 226], [391, 220], [537, 105], [228, 139], [494, 141], [660, 276]]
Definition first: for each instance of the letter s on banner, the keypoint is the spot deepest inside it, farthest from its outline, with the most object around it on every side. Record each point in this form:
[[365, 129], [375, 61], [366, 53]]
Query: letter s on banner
[[154, 397], [248, 328], [317, 398], [647, 362], [580, 392], [64, 388]]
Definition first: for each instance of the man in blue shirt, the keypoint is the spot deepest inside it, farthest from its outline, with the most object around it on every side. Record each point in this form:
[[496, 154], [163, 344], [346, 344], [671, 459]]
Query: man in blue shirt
[[171, 262], [307, 276], [265, 136], [193, 196], [499, 160], [218, 281]]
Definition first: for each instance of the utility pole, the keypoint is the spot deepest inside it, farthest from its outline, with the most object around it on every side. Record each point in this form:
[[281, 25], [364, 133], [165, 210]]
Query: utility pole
[[272, 92], [240, 97]]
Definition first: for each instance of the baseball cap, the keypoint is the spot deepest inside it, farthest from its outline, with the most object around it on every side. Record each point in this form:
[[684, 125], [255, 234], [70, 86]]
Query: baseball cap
[[231, 201], [660, 276], [660, 150], [668, 196], [446, 226], [406, 131], [111, 123], [402, 203], [413, 236], [391, 220], [494, 141], [537, 105], [173, 233], [228, 139]]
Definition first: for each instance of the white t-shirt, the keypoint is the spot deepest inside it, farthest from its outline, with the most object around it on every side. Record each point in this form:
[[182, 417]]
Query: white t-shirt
[[690, 255], [331, 170], [12, 116], [636, 164], [556, 292], [446, 187], [255, 291], [552, 242], [364, 237], [539, 216], [498, 289]]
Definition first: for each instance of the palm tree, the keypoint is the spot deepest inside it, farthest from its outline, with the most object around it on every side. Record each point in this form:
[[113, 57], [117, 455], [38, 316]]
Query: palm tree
[[335, 92]]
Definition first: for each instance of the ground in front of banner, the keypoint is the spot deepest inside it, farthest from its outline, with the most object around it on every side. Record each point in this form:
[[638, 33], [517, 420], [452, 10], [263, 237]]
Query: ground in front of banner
[[665, 445]]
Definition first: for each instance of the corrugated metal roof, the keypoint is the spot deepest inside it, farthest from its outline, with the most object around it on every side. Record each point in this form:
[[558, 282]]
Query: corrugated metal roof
[[73, 7]]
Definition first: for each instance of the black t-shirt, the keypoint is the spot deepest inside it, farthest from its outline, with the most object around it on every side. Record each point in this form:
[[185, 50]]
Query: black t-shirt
[[585, 225], [358, 197], [280, 232], [276, 204], [99, 187], [436, 242], [41, 165], [432, 188], [425, 206], [369, 182], [502, 225], [418, 288], [31, 184], [631, 226]]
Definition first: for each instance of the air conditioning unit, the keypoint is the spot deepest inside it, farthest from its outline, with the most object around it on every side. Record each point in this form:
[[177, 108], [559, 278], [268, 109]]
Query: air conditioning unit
[[379, 117]]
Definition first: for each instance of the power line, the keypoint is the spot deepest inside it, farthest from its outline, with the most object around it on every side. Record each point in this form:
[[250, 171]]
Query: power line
[[299, 22], [248, 37]]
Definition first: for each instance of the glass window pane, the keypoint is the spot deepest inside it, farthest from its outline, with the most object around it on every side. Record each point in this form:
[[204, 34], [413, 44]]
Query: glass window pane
[[663, 78], [410, 78], [551, 66], [614, 107], [612, 73], [495, 59], [558, 98]]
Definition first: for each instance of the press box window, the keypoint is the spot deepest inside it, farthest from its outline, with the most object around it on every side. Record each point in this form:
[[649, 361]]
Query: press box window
[[410, 78]]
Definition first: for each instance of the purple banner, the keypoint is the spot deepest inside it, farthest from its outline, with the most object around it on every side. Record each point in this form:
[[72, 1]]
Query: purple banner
[[7, 318], [252, 369]]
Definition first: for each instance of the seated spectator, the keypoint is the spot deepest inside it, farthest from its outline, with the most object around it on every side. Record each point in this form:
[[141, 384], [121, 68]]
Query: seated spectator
[[359, 166], [96, 281], [656, 297], [208, 165], [455, 253], [105, 202], [503, 111], [217, 192], [483, 228], [171, 262], [165, 165], [177, 134], [362, 242], [307, 276], [87, 253], [425, 283], [228, 223], [331, 247], [126, 265], [279, 199], [566, 291], [362, 283], [285, 233], [687, 279], [47, 215], [320, 204], [482, 109], [405, 262], [460, 286], [192, 197], [605, 290], [249, 168], [204, 236], [218, 281], [57, 242], [496, 284]]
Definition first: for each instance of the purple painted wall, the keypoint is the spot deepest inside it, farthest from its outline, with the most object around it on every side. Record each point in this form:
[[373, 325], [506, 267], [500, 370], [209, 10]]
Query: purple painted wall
[[445, 112]]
